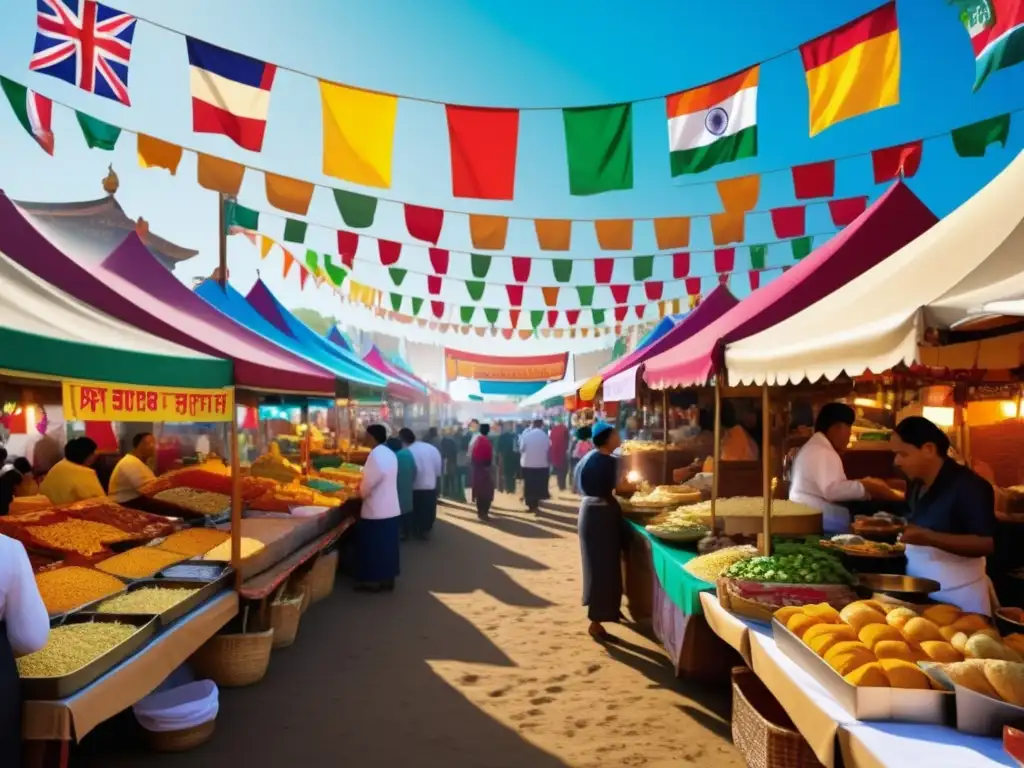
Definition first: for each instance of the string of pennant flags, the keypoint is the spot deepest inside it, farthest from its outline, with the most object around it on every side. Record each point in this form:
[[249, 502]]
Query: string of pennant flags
[[813, 184], [849, 71]]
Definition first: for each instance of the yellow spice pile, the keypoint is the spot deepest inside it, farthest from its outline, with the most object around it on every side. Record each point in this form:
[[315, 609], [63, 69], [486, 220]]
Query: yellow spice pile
[[72, 646], [148, 600], [222, 552], [194, 541], [140, 562], [200, 502], [82, 536], [70, 587]]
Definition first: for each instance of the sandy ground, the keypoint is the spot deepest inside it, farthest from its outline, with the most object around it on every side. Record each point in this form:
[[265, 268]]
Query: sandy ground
[[479, 658]]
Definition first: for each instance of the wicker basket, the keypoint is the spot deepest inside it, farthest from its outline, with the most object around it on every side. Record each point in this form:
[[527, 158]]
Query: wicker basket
[[761, 730], [284, 619], [301, 586], [322, 577], [181, 741], [235, 660]]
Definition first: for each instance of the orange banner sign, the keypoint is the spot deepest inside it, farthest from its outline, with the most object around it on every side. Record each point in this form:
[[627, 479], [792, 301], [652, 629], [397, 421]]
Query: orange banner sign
[[103, 401], [492, 368]]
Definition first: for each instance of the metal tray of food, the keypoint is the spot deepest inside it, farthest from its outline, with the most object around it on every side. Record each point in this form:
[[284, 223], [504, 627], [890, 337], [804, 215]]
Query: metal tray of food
[[976, 713], [867, 703], [195, 570], [204, 591], [906, 588], [55, 688]]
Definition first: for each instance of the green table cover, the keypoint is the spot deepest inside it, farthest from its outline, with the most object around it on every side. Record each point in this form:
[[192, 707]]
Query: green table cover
[[668, 560]]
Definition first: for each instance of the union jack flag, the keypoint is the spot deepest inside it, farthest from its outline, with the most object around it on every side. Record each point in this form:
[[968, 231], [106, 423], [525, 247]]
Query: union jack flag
[[84, 43]]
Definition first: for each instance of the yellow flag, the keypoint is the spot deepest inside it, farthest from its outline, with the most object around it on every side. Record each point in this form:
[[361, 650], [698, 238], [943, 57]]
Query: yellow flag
[[359, 134]]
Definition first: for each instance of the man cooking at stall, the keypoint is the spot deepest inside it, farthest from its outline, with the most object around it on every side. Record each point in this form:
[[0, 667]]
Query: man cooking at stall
[[952, 520]]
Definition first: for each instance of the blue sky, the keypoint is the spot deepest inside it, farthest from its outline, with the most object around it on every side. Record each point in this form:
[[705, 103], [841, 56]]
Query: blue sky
[[525, 54]]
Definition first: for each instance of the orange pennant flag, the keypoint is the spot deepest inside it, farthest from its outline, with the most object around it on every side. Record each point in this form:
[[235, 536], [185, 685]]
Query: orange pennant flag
[[488, 232], [288, 194], [524, 333], [614, 234], [156, 153], [288, 261], [728, 227], [584, 332], [266, 244], [553, 234], [558, 332], [740, 194], [672, 232], [550, 295], [219, 175]]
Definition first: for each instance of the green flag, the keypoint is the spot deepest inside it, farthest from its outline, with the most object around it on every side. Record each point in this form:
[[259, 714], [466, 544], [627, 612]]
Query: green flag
[[974, 139], [536, 318], [598, 315], [417, 305], [98, 135], [562, 269], [491, 315], [357, 211], [801, 246], [466, 313], [396, 302], [240, 216], [335, 274], [643, 268], [397, 274], [32, 110], [586, 294], [599, 148], [479, 264], [295, 231], [476, 289], [758, 256]]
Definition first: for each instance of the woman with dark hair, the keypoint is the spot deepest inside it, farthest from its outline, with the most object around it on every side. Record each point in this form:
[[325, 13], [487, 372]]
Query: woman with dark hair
[[72, 478], [601, 531], [481, 460], [818, 477], [10, 481], [952, 522], [378, 530]]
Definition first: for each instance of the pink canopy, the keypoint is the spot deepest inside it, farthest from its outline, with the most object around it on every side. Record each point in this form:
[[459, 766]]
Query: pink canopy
[[401, 384], [620, 375], [896, 218], [133, 287]]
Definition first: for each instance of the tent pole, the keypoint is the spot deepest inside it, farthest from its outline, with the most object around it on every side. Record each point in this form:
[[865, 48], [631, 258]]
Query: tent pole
[[664, 434], [236, 504], [766, 467], [716, 453], [222, 242]]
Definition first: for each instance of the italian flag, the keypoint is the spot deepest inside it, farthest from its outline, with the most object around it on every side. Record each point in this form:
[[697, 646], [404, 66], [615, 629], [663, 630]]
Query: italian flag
[[713, 124], [996, 28], [32, 110]]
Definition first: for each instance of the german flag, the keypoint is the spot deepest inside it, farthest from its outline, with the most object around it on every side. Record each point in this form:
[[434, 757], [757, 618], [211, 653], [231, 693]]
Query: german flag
[[853, 69]]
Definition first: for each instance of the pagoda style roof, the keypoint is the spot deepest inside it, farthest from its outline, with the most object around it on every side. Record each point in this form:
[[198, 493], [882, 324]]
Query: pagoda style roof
[[106, 221]]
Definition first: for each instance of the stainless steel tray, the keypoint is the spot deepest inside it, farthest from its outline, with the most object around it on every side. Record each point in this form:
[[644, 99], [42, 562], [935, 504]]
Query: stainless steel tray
[[204, 592], [977, 713], [54, 688], [899, 704]]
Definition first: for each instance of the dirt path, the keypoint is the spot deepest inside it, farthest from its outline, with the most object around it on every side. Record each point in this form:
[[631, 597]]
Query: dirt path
[[478, 659]]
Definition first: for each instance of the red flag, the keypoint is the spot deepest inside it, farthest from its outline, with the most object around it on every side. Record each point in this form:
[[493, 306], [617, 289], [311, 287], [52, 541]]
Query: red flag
[[620, 293], [620, 314], [303, 276], [603, 269], [439, 260], [653, 289], [434, 285], [515, 295], [572, 316], [814, 180], [725, 259], [846, 210], [348, 244], [389, 252], [513, 316], [894, 162], [723, 279], [680, 265], [508, 333], [437, 307], [639, 309], [789, 222], [424, 223], [552, 318], [693, 286], [483, 149], [521, 268], [755, 279]]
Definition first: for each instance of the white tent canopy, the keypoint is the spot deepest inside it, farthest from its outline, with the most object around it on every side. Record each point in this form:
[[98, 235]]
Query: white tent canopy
[[565, 386], [973, 257]]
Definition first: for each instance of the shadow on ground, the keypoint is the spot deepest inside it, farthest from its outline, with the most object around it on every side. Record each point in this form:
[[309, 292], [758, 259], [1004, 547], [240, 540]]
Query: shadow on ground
[[357, 688]]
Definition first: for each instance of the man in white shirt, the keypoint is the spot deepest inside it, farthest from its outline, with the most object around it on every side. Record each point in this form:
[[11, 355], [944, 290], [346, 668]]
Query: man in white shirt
[[132, 472], [534, 447], [818, 478], [424, 488], [378, 530]]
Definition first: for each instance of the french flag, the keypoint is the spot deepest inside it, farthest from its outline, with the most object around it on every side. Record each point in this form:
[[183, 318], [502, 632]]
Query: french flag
[[230, 93]]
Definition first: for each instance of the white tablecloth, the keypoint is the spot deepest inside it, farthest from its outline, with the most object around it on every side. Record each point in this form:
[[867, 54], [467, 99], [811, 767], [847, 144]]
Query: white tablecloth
[[729, 627], [888, 745]]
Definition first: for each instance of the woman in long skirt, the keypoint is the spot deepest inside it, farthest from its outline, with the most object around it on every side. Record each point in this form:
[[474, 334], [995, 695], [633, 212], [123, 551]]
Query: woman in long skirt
[[481, 461], [601, 531]]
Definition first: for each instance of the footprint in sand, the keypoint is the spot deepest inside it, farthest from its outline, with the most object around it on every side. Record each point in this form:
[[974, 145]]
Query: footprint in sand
[[541, 700], [554, 689], [559, 679], [499, 692], [592, 668], [469, 679]]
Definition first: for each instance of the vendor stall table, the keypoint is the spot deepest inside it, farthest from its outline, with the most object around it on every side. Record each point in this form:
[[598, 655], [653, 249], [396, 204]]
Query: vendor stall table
[[659, 589], [72, 718], [828, 728]]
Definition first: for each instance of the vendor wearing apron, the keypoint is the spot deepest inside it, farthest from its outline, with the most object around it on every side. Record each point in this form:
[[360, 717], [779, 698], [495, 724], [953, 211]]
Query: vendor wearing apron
[[24, 628], [952, 516]]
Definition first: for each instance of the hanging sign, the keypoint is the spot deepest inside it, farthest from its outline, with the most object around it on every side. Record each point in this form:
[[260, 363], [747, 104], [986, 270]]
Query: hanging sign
[[467, 365], [104, 401]]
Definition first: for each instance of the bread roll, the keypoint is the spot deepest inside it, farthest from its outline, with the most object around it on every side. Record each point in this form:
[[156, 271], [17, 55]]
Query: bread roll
[[800, 623], [870, 675], [786, 612], [858, 616], [822, 637], [971, 674], [1007, 677], [898, 617], [942, 615], [875, 633], [847, 656], [919, 630], [894, 649], [904, 674], [982, 646], [971, 623], [941, 651], [823, 611], [959, 641]]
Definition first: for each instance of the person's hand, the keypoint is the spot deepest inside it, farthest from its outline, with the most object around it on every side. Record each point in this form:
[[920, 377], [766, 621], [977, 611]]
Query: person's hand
[[877, 489], [915, 534]]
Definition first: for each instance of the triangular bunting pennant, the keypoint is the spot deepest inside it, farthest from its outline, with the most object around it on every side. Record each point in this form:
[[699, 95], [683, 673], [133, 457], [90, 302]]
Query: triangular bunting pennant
[[515, 295], [396, 301], [417, 305], [479, 264], [295, 231], [265, 245], [466, 313], [586, 294], [397, 275], [680, 265], [620, 293], [552, 318], [357, 211], [521, 268], [491, 314], [639, 311], [439, 259], [572, 316], [348, 244], [643, 268], [488, 232], [603, 269], [434, 285], [303, 276], [536, 318], [755, 280], [562, 269], [312, 261], [390, 252], [424, 223], [335, 274], [513, 317], [620, 314], [653, 290], [288, 261], [475, 288], [598, 315], [758, 256], [550, 293]]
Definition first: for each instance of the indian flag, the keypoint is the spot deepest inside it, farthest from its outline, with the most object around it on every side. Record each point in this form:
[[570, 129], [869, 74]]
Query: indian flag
[[32, 110], [713, 124], [996, 28]]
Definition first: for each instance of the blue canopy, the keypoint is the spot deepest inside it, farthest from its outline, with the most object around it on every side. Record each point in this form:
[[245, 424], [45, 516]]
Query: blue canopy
[[231, 303], [664, 325], [340, 338], [514, 388]]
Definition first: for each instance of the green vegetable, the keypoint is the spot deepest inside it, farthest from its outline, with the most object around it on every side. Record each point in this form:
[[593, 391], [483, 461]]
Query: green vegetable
[[793, 562]]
